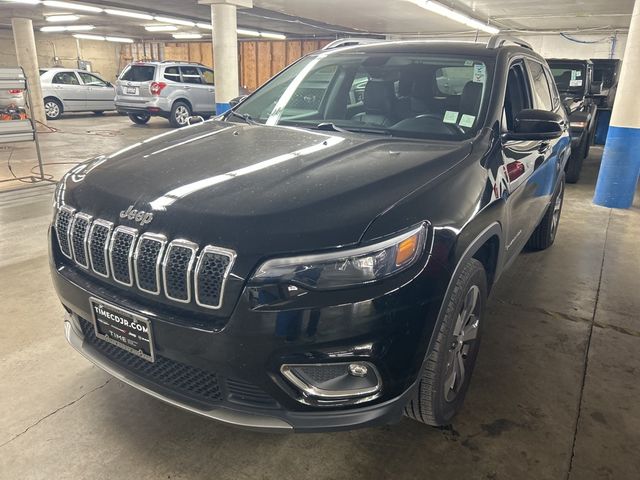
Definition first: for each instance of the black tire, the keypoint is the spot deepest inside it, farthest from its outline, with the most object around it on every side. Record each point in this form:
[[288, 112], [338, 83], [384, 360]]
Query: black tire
[[180, 113], [545, 233], [437, 399], [98, 112], [52, 108], [140, 118], [574, 164]]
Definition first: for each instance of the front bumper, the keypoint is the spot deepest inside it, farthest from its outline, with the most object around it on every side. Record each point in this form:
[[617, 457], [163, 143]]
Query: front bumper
[[391, 330]]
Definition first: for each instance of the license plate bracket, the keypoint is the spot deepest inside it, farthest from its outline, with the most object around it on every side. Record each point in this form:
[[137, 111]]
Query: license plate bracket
[[122, 328], [131, 90]]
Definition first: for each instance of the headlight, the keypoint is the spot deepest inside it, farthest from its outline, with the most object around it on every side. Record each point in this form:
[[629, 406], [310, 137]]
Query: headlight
[[347, 267]]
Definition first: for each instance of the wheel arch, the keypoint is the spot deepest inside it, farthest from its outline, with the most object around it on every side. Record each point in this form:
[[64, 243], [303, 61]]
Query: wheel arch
[[58, 100], [183, 100]]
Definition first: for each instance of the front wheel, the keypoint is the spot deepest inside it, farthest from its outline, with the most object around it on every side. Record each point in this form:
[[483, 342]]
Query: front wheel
[[446, 372], [139, 118], [180, 113], [545, 233]]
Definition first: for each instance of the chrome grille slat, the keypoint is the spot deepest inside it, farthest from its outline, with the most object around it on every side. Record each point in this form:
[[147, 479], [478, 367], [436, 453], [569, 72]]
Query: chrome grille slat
[[147, 261], [123, 242], [176, 270], [212, 269], [64, 218], [99, 237], [79, 234]]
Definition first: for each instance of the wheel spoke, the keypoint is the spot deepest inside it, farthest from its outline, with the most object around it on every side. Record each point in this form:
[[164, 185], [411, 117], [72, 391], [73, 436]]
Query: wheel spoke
[[470, 331], [450, 382], [460, 370]]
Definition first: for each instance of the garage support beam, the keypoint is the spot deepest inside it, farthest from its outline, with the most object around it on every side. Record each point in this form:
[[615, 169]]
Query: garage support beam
[[28, 59], [620, 168], [225, 49]]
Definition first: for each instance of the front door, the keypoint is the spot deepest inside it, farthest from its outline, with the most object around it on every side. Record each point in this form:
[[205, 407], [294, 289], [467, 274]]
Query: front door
[[67, 87]]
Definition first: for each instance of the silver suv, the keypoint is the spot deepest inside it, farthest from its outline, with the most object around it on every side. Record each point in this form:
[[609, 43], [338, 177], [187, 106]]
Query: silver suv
[[170, 89]]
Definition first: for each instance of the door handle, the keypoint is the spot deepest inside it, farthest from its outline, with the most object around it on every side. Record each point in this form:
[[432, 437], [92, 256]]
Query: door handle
[[544, 147], [187, 88]]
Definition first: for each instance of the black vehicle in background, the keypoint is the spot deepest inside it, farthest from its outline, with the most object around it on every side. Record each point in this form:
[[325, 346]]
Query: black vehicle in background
[[606, 72], [319, 257], [574, 79]]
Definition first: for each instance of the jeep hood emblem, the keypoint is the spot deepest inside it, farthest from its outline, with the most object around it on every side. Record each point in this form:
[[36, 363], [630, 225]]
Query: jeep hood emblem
[[139, 216]]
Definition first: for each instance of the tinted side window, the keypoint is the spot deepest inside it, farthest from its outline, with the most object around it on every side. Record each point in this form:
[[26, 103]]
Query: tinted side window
[[539, 86], [65, 78], [190, 75], [172, 73], [517, 97], [138, 73], [207, 75], [555, 95], [89, 79]]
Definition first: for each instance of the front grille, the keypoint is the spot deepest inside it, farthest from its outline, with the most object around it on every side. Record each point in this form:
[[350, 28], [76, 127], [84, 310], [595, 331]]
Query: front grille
[[131, 259], [79, 232], [122, 244], [248, 394], [213, 267], [63, 223], [147, 262], [177, 270], [175, 376]]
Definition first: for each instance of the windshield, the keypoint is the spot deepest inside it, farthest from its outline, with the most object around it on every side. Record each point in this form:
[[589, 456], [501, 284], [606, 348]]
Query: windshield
[[569, 77], [406, 95]]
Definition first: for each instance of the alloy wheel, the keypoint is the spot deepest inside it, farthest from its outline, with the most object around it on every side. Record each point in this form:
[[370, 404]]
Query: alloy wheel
[[555, 217], [465, 333], [51, 109], [182, 115]]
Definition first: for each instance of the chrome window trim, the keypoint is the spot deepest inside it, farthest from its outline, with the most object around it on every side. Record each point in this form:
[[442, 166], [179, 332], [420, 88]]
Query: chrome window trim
[[179, 242], [220, 251], [133, 232], [105, 253], [163, 243], [88, 219], [71, 211]]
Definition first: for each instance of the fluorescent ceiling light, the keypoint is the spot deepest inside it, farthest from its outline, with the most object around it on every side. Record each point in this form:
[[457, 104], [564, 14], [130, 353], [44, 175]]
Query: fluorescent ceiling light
[[87, 36], [119, 39], [451, 14], [277, 36], [161, 28], [186, 36], [251, 33], [176, 21], [127, 13], [72, 6], [205, 26], [28, 2], [67, 28], [62, 18]]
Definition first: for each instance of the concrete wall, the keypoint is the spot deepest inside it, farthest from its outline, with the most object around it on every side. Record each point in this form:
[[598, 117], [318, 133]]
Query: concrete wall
[[104, 56]]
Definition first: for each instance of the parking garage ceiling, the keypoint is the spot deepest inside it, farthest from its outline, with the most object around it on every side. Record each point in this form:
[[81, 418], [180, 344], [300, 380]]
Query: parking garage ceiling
[[326, 18]]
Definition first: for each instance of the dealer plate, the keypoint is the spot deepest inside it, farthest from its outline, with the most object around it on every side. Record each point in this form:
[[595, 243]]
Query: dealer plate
[[122, 328], [131, 90]]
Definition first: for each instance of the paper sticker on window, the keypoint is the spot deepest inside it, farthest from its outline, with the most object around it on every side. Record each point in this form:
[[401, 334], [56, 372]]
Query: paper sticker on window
[[479, 73], [467, 121], [575, 83], [450, 117], [468, 63]]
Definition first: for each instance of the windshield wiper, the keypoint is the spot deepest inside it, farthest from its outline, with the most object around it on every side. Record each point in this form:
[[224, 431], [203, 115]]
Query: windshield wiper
[[330, 126], [242, 116]]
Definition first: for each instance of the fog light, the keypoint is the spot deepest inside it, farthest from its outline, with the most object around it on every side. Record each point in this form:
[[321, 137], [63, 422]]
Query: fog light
[[332, 381]]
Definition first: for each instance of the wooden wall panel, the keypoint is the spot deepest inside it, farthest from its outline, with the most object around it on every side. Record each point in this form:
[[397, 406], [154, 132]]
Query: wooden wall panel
[[294, 51], [249, 65], [278, 56], [264, 62]]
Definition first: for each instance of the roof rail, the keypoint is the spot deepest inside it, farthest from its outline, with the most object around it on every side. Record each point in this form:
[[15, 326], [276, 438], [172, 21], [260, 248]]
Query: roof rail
[[498, 40], [350, 42], [182, 61]]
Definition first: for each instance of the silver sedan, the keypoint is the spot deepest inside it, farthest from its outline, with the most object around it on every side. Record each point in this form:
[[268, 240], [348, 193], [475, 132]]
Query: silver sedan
[[72, 90]]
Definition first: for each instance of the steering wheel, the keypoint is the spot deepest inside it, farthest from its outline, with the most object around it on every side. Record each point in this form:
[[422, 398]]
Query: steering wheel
[[454, 127]]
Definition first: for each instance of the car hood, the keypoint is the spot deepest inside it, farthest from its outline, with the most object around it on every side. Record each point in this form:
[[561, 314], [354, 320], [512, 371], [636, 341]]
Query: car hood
[[257, 189]]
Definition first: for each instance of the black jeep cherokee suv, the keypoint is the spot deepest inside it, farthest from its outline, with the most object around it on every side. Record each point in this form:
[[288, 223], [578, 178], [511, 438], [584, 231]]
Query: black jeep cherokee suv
[[319, 258]]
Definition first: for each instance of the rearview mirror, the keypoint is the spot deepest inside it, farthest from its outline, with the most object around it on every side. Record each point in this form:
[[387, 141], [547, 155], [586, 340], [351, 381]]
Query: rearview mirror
[[533, 124]]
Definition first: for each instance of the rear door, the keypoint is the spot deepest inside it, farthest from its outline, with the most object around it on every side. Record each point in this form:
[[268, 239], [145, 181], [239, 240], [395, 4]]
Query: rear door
[[67, 87], [133, 85], [197, 91], [208, 79], [100, 94]]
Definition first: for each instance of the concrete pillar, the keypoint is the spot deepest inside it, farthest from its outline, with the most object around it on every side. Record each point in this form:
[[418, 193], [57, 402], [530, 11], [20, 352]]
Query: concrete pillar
[[620, 168], [225, 49], [28, 59]]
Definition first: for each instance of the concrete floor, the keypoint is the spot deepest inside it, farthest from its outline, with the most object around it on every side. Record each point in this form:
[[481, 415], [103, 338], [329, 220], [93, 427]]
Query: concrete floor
[[554, 396]]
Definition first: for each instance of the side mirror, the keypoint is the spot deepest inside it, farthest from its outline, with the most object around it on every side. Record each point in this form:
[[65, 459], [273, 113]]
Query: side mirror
[[595, 88], [536, 125], [235, 101]]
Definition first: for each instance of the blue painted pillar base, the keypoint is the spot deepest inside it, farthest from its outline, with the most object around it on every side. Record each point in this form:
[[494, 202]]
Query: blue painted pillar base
[[222, 107], [620, 168]]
